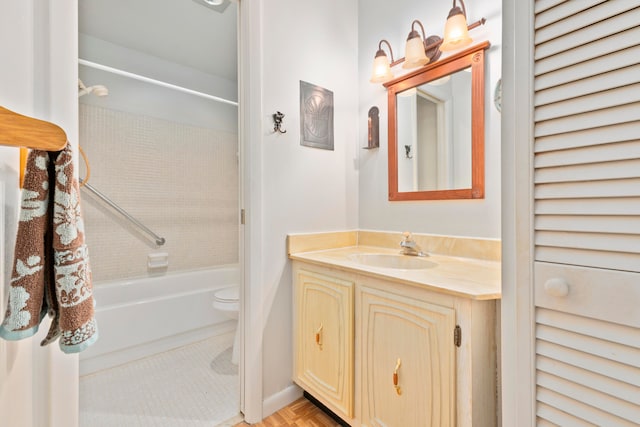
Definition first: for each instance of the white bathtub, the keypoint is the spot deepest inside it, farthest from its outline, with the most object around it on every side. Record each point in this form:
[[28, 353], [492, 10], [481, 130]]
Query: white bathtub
[[140, 317]]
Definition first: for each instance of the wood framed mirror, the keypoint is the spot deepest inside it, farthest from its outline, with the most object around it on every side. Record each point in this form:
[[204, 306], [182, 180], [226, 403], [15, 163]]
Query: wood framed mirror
[[436, 129]]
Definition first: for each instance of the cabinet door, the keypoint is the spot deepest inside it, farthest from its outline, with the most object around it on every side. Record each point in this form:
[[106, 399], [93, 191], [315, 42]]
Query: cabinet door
[[409, 342], [323, 334]]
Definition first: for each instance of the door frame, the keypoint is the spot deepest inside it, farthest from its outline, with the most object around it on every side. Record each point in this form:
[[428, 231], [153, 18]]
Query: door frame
[[43, 70], [55, 33], [250, 149], [517, 305]]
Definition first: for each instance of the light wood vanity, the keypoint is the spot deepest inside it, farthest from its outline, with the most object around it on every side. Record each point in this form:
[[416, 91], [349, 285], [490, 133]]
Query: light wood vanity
[[395, 347]]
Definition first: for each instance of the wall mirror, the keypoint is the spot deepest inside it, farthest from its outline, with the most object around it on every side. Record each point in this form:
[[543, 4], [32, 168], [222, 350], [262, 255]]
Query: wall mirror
[[436, 129]]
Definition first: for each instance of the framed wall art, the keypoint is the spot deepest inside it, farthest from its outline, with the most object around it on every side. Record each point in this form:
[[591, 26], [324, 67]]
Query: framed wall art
[[316, 116]]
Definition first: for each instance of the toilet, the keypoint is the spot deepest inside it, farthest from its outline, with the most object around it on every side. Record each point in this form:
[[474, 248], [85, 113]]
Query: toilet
[[227, 300]]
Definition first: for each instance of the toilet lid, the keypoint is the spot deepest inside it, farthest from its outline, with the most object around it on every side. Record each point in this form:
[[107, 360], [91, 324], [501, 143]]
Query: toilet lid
[[228, 294]]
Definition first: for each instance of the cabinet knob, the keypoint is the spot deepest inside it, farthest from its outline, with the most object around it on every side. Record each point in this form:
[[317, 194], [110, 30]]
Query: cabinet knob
[[556, 287]]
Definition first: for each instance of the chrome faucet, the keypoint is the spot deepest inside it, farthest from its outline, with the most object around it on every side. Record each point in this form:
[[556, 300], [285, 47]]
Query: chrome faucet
[[409, 246]]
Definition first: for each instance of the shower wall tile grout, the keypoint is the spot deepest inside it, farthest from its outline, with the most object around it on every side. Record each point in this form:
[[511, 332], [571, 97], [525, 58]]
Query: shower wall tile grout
[[179, 180]]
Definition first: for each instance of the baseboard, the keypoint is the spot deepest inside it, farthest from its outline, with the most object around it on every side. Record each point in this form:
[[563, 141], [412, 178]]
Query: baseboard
[[277, 401]]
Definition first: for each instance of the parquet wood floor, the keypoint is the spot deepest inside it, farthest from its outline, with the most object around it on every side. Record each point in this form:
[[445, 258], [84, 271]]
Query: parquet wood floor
[[300, 413]]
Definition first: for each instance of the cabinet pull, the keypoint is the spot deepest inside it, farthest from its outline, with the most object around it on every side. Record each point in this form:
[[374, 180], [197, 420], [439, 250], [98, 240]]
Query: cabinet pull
[[556, 287], [319, 336], [395, 377]]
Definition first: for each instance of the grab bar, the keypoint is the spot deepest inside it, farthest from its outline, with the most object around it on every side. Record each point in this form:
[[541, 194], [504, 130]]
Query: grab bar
[[159, 240]]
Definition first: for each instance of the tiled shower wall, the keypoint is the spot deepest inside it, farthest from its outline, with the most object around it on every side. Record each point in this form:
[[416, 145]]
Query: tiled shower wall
[[180, 181]]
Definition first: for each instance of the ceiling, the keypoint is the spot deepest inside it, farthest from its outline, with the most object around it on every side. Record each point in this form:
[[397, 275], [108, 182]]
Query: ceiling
[[180, 31]]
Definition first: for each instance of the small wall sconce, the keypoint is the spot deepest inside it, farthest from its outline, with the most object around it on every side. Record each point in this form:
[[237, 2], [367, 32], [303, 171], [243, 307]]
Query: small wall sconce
[[420, 50], [373, 128]]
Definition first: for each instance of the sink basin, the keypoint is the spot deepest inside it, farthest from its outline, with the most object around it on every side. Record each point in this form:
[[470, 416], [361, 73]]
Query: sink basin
[[398, 262]]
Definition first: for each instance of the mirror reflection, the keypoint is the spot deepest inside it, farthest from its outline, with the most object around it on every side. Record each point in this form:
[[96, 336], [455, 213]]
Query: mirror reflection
[[434, 134], [436, 129]]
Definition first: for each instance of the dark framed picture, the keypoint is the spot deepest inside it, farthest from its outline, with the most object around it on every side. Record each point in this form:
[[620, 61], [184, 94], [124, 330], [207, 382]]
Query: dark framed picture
[[316, 116]]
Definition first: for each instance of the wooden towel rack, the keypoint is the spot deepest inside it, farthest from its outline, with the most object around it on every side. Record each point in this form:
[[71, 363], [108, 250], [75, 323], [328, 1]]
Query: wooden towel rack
[[17, 130], [25, 132]]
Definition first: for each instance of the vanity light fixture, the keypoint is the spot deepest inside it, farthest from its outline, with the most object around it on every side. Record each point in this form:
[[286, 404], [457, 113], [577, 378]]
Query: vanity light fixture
[[420, 50], [414, 51], [381, 65], [456, 34]]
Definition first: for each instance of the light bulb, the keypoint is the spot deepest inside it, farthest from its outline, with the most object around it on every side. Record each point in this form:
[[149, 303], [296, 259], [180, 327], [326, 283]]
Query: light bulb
[[456, 34], [381, 68]]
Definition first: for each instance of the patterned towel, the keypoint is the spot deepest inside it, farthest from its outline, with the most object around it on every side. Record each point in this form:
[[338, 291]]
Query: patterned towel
[[51, 271]]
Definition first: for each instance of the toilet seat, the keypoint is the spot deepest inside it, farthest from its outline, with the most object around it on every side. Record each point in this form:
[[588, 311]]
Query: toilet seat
[[227, 299], [230, 294]]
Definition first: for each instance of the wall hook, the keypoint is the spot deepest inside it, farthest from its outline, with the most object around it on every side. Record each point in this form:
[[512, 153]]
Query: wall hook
[[277, 122], [407, 151]]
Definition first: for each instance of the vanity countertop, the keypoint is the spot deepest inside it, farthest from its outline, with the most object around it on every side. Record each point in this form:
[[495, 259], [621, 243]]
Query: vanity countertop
[[466, 277]]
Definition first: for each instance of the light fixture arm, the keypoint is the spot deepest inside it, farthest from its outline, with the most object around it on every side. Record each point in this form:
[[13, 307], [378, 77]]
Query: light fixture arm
[[389, 46], [424, 36], [464, 9]]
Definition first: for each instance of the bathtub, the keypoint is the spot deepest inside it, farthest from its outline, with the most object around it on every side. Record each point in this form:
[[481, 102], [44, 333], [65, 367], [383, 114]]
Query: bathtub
[[141, 317]]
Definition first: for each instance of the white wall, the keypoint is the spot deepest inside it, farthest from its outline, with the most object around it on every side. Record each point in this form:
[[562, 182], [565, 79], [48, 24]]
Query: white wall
[[133, 96], [406, 106], [38, 385], [136, 97], [392, 21], [15, 94], [167, 157], [303, 189]]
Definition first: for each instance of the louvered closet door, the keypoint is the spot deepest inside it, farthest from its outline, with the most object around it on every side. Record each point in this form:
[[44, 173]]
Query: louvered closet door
[[587, 212]]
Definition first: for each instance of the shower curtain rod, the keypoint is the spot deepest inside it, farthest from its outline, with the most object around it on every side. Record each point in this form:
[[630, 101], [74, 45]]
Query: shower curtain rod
[[153, 81]]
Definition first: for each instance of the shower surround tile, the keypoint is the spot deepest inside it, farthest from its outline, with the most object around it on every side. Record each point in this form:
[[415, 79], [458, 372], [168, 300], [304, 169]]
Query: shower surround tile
[[179, 180]]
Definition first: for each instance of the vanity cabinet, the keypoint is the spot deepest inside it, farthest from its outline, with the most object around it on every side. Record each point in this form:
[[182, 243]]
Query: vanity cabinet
[[383, 353], [407, 361], [323, 338]]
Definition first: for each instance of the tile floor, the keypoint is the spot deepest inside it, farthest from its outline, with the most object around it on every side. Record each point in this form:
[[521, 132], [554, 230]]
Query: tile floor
[[192, 386]]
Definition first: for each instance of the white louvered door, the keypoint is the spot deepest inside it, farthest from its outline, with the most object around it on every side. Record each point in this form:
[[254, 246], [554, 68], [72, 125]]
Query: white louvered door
[[587, 212]]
